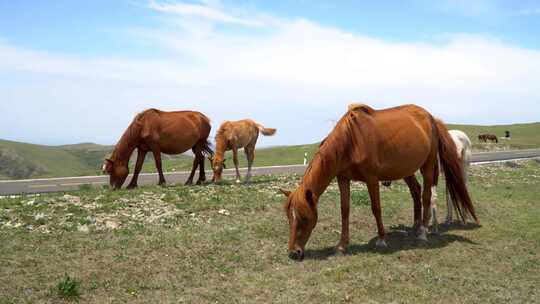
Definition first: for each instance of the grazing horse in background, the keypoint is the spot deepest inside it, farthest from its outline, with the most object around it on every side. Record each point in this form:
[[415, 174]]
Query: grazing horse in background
[[492, 137], [233, 135], [159, 132], [464, 151], [486, 137], [371, 146]]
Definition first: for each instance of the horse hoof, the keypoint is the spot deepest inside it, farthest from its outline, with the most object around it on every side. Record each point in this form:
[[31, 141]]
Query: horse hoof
[[131, 187], [341, 249], [381, 244], [422, 235]]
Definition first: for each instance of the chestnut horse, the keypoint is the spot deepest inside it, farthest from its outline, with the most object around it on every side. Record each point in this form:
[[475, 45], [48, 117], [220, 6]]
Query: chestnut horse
[[233, 135], [371, 146], [159, 132]]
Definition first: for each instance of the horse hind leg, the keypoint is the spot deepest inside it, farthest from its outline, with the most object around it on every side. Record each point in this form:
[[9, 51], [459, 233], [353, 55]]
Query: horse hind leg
[[429, 172], [235, 159], [250, 155], [189, 181], [435, 226], [200, 156], [415, 190]]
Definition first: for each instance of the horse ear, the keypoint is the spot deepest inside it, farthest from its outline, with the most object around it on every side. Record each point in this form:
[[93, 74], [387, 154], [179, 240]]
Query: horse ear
[[310, 198], [287, 193]]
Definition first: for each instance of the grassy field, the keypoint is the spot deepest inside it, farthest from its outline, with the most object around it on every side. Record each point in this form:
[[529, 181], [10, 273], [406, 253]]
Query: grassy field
[[227, 244], [524, 136], [20, 160]]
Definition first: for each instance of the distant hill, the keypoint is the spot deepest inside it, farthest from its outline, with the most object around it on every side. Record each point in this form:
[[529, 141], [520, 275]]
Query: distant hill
[[22, 160]]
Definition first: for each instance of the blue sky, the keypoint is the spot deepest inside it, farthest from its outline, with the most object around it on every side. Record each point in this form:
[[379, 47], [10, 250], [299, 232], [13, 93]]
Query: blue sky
[[74, 71]]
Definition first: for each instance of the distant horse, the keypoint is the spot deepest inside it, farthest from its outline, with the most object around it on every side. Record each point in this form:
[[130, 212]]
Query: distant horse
[[159, 132], [464, 151], [488, 137], [371, 146], [233, 135]]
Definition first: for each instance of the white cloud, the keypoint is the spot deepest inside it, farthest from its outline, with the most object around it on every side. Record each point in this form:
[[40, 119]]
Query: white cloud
[[203, 11], [293, 74]]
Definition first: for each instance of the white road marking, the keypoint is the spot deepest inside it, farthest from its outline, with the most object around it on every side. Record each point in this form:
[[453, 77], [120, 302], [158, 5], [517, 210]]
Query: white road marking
[[42, 186]]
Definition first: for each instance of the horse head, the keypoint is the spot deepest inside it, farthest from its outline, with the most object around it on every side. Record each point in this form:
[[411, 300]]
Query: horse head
[[301, 211], [117, 172], [218, 164]]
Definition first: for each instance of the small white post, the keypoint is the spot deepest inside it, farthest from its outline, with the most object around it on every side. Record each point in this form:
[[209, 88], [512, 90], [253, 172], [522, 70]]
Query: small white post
[[305, 158]]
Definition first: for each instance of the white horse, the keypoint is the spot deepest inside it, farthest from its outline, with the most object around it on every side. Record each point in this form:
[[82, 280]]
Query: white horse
[[464, 147]]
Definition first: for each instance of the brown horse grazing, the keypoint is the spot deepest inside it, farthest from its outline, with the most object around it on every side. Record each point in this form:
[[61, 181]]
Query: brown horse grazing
[[159, 132], [371, 146], [233, 135], [488, 137]]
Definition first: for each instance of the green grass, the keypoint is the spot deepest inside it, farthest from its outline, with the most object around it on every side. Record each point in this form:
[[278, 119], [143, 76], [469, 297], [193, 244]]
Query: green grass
[[20, 160], [68, 287], [177, 244]]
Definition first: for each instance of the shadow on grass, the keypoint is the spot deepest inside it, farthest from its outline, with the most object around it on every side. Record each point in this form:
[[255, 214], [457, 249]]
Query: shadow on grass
[[399, 238]]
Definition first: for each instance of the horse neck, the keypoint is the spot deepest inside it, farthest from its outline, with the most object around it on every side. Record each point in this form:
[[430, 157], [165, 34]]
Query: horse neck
[[221, 146], [322, 170], [125, 146]]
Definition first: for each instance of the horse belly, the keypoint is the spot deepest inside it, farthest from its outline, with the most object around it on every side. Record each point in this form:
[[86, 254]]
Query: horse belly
[[404, 155], [402, 169], [177, 143]]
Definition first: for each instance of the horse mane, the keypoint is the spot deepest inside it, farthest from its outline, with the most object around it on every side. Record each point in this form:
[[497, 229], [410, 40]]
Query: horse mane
[[131, 134], [341, 138]]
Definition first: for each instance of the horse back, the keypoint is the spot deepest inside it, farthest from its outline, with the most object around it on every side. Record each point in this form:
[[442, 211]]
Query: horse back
[[396, 141]]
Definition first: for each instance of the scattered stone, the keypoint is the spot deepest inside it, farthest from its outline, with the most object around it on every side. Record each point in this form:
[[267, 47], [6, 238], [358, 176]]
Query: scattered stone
[[72, 199], [39, 216], [224, 212], [83, 228], [30, 202], [111, 225]]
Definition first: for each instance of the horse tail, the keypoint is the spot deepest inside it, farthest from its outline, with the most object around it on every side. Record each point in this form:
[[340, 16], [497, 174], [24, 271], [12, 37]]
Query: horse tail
[[453, 172], [266, 131], [207, 149]]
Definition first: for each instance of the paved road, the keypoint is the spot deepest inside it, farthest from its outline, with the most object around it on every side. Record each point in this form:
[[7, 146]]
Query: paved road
[[73, 183]]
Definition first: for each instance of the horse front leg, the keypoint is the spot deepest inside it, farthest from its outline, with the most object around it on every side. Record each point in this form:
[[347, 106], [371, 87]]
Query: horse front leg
[[374, 195], [138, 166], [345, 196]]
